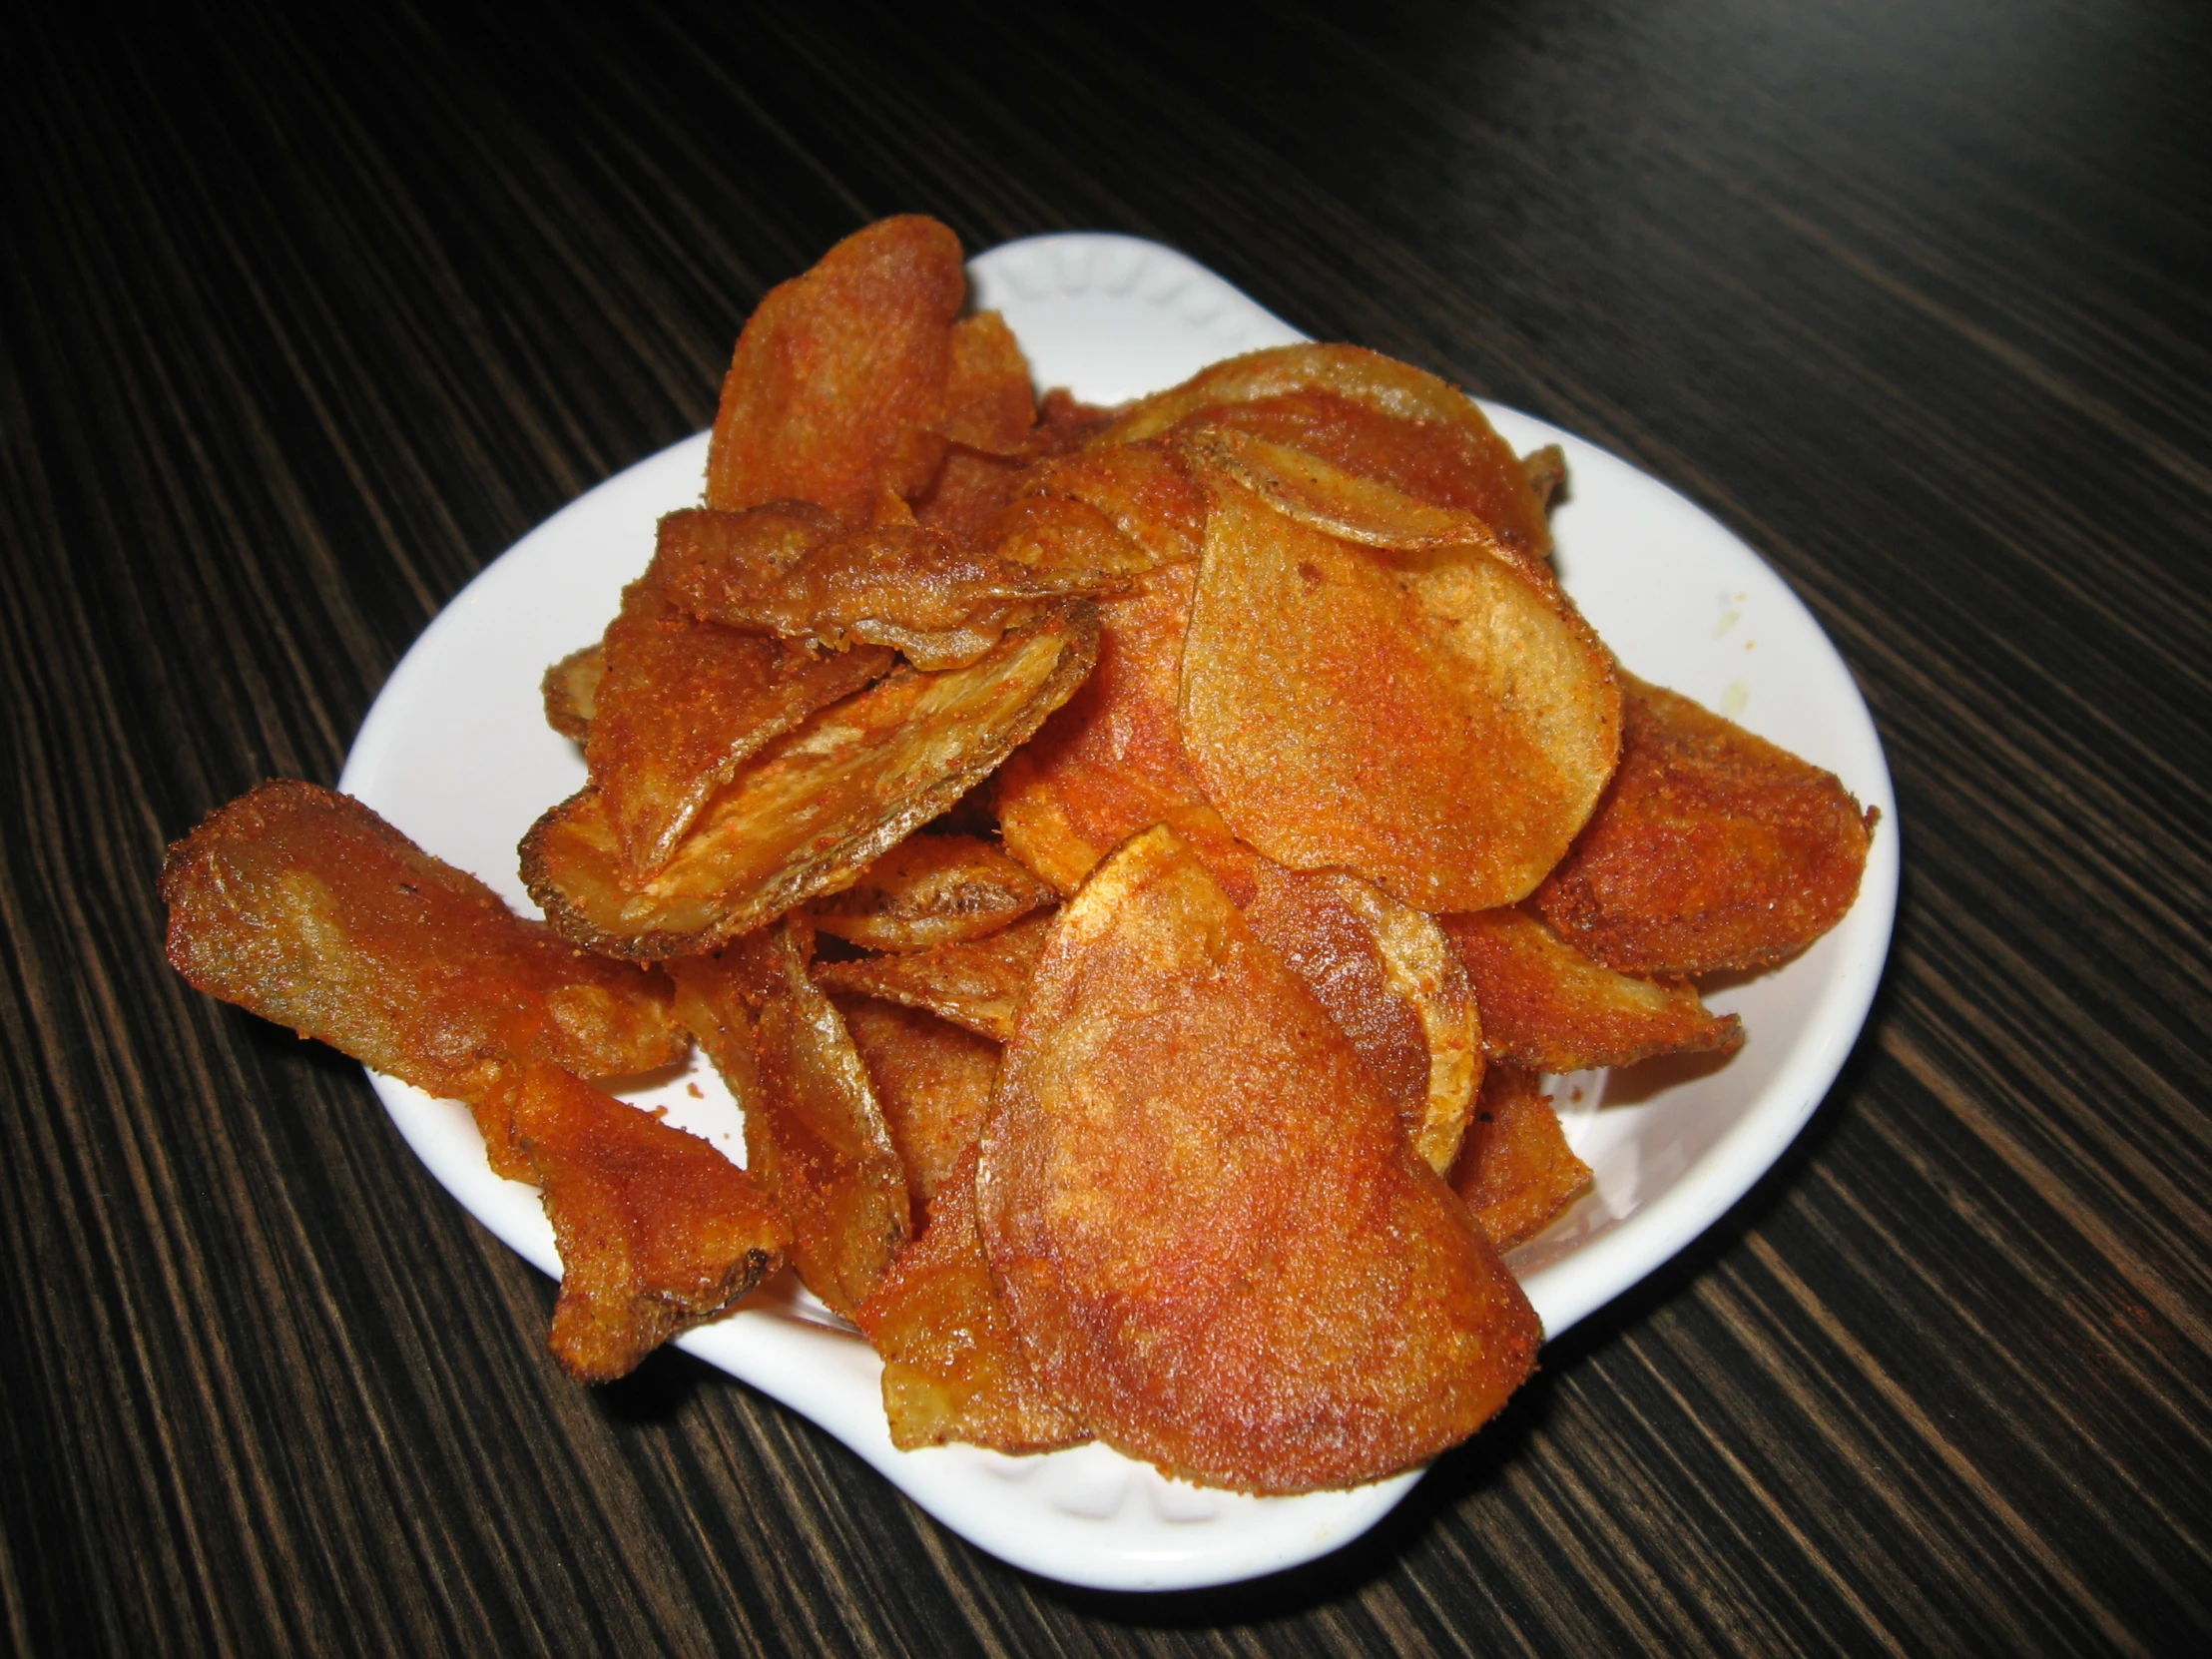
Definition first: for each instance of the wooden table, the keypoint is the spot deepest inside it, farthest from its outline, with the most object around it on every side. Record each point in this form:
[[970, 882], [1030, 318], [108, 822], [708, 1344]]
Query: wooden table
[[300, 323]]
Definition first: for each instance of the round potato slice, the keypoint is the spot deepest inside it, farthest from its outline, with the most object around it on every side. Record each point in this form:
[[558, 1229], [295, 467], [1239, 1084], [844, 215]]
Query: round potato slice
[[810, 812], [1431, 720], [1218, 1246]]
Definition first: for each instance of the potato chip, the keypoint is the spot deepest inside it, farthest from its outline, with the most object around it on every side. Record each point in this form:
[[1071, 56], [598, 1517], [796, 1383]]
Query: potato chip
[[980, 985], [683, 704], [1392, 982], [968, 494], [1144, 489], [933, 1079], [1547, 1006], [1515, 1170], [571, 691], [1218, 1246], [1434, 722], [1111, 762], [1713, 851], [989, 403], [302, 906], [929, 890], [837, 386], [953, 1369], [809, 812], [814, 1135], [658, 1232], [1068, 542]]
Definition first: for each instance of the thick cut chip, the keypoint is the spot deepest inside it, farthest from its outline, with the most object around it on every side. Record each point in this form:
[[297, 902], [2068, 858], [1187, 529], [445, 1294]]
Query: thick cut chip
[[1111, 762], [571, 691], [837, 387], [981, 984], [1143, 488], [814, 1135], [953, 1369], [1392, 982], [1547, 1006], [809, 812], [681, 707], [1219, 1248], [1515, 1170], [302, 906], [933, 1079], [931, 891], [989, 403], [1433, 721], [658, 1232], [1713, 851]]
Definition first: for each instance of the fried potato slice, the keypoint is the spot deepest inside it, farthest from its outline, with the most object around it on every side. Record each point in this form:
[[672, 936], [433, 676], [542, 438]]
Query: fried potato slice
[[1515, 1170], [1393, 983], [681, 707], [658, 1231], [953, 1369], [1067, 542], [837, 385], [933, 1079], [1713, 851], [899, 584], [968, 494], [806, 815], [980, 985], [302, 906], [814, 1135], [1549, 1007], [1111, 762], [1143, 488], [989, 403], [1435, 722], [1219, 1248], [571, 691], [931, 891]]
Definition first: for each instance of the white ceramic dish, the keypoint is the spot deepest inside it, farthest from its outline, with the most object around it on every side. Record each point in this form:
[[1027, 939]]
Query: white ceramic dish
[[456, 752]]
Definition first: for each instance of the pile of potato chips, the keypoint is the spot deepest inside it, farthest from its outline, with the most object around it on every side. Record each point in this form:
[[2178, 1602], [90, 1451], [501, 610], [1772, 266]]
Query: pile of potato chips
[[1130, 866]]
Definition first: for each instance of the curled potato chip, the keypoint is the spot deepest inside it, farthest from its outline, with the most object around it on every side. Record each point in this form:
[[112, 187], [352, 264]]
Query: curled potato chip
[[1713, 851], [1144, 489], [683, 704], [933, 1079], [302, 906], [1549, 1007], [953, 1369], [1111, 762], [571, 691], [806, 815], [1436, 722], [1515, 1169], [980, 985], [814, 1135], [1392, 982], [658, 1232], [929, 890], [837, 385], [1219, 1248]]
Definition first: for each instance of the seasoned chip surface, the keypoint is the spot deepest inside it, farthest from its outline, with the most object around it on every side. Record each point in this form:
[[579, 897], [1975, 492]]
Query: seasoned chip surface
[[1515, 1170], [929, 890], [934, 1080], [1217, 1245]]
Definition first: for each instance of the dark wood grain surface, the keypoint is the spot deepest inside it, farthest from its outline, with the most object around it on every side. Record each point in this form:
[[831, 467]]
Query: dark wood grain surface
[[302, 320]]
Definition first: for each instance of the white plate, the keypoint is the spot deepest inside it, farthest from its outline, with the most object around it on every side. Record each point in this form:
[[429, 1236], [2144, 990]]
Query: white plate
[[456, 752]]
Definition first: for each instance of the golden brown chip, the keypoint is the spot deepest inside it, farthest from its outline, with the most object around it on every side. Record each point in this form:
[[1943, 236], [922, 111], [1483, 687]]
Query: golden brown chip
[[1435, 722], [980, 985], [1713, 851], [1515, 1170], [1219, 1248], [967, 495], [815, 1134], [809, 812], [301, 904], [1547, 1006], [953, 1369], [1392, 982], [933, 1079], [931, 891], [838, 381], [681, 707], [1067, 542], [1111, 762], [1144, 489], [989, 403], [658, 1232], [571, 691]]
